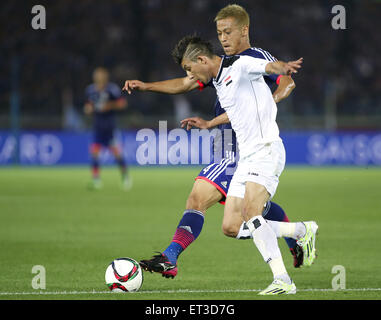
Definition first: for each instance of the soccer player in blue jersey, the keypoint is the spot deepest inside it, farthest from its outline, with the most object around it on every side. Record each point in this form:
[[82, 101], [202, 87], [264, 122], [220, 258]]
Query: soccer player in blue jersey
[[213, 181], [103, 100]]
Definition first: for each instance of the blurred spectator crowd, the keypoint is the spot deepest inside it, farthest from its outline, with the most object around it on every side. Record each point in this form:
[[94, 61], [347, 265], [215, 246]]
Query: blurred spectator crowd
[[134, 39]]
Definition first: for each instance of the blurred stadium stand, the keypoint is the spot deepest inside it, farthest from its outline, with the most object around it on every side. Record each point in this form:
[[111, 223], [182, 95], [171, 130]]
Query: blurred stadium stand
[[46, 71]]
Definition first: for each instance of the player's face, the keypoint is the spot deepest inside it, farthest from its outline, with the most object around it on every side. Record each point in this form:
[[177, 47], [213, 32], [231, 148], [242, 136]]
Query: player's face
[[232, 37], [100, 77], [197, 70]]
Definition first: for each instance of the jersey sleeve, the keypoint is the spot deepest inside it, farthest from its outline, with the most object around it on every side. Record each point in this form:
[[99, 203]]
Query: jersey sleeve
[[259, 53], [202, 85], [115, 92], [254, 67], [273, 78]]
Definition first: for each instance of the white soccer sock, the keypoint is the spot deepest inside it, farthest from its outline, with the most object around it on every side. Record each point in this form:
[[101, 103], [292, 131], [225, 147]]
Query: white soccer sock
[[293, 230], [279, 270], [300, 230], [266, 241]]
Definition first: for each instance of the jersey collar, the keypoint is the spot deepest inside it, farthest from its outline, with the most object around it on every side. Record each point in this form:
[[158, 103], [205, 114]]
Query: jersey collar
[[220, 69]]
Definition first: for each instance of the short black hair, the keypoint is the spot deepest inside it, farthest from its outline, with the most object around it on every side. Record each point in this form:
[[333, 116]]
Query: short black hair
[[191, 44]]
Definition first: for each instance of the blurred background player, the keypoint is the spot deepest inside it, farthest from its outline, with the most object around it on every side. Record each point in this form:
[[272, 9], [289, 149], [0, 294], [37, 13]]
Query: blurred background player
[[212, 183], [103, 99]]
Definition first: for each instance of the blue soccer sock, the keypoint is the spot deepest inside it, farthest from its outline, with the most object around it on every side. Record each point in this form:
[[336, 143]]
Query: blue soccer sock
[[95, 167], [187, 231], [123, 166], [276, 213]]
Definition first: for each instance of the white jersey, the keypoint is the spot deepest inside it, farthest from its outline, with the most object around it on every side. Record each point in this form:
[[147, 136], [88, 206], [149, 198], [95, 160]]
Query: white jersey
[[248, 102]]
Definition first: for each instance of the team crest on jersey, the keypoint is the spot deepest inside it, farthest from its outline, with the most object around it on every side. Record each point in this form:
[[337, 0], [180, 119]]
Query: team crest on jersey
[[228, 80]]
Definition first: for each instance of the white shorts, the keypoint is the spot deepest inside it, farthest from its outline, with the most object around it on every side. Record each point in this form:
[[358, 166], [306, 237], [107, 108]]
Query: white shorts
[[263, 167]]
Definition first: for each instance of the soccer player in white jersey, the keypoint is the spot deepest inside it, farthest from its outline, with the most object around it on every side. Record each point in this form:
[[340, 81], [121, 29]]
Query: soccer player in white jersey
[[212, 183], [251, 110]]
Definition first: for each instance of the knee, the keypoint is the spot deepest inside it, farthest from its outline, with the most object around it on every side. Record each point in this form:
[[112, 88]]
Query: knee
[[116, 152], [95, 156], [230, 230], [95, 150]]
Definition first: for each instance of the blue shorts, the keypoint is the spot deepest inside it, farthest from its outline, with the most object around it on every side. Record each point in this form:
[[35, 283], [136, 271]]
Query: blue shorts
[[104, 137], [219, 175]]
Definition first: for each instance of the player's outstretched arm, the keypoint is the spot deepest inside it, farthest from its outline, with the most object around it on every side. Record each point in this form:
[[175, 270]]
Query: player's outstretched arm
[[172, 86], [284, 68], [285, 87], [204, 124]]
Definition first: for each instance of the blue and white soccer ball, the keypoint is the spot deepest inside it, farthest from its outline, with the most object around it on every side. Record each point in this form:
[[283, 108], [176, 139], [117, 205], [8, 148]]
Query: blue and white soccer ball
[[124, 275]]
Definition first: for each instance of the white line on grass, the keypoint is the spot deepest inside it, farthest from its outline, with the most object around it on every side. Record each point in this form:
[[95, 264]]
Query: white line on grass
[[176, 291]]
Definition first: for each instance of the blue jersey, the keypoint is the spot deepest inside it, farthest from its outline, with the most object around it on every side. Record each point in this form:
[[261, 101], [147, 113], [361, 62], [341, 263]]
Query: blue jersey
[[103, 120], [229, 143]]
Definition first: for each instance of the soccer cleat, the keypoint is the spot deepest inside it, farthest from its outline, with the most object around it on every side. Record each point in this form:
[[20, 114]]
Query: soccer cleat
[[95, 184], [127, 184], [307, 243], [159, 263], [297, 253], [279, 287]]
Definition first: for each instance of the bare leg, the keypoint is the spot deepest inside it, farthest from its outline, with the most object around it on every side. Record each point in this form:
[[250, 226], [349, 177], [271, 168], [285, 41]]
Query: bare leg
[[264, 237]]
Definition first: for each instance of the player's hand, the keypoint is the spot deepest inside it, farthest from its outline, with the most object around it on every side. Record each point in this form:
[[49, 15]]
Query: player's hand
[[88, 108], [130, 85], [194, 122], [293, 66]]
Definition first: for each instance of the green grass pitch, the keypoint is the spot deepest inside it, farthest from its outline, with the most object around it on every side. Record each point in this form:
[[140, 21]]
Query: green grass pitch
[[49, 218]]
